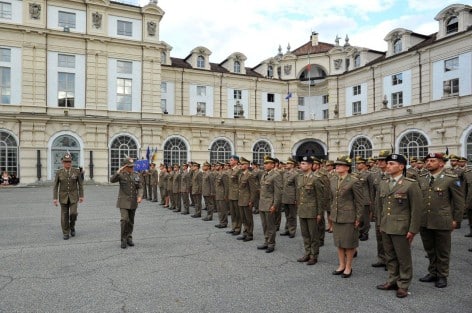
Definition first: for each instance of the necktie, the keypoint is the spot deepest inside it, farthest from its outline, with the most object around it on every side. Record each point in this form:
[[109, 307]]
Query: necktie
[[392, 183], [340, 180], [431, 181]]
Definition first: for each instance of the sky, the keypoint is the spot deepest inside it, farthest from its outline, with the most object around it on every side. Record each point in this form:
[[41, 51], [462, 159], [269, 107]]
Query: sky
[[256, 28]]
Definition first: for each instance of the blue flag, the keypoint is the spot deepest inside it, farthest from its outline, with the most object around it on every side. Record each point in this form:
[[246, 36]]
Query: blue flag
[[289, 95], [148, 153]]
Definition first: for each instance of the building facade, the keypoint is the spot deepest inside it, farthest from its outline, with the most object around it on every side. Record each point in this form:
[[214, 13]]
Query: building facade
[[94, 78]]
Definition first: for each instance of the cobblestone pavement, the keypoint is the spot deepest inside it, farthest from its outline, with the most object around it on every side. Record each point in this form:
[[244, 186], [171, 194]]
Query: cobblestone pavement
[[182, 264]]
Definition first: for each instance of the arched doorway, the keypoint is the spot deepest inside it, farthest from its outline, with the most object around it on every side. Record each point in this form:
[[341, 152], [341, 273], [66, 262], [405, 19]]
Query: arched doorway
[[311, 148], [60, 146]]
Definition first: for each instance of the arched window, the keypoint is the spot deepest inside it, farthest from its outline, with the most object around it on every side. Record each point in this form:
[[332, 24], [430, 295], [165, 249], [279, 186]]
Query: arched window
[[60, 146], [362, 147], [220, 151], [175, 151], [452, 25], [413, 144], [121, 147], [163, 57], [397, 46], [8, 153], [201, 61], [357, 60], [270, 71], [260, 150], [237, 67], [468, 147]]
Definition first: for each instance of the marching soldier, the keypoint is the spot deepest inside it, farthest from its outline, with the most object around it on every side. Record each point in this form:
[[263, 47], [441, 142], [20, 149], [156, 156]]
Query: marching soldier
[[233, 195], [185, 183], [129, 196], [247, 194], [208, 190], [177, 202], [154, 178], [163, 183], [197, 189], [269, 203], [401, 209], [289, 198], [221, 195], [68, 191], [444, 205], [309, 195]]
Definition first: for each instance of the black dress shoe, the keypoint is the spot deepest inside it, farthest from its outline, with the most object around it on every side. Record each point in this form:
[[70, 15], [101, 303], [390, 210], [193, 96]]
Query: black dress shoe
[[470, 250], [291, 236], [247, 239], [312, 261], [441, 282], [230, 231], [304, 258], [208, 219], [236, 233], [130, 242], [176, 210], [402, 293], [285, 234], [364, 237], [387, 286], [72, 232], [123, 244], [378, 264], [196, 215], [185, 213], [66, 237], [241, 237], [355, 254], [262, 247], [428, 278], [270, 250], [344, 275], [338, 272]]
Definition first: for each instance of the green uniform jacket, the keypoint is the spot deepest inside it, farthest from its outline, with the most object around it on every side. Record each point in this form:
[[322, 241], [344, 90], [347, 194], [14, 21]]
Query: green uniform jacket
[[271, 191], [378, 178], [289, 187], [185, 181], [309, 195], [221, 186], [208, 184], [402, 207], [197, 183], [233, 175], [154, 177], [163, 179], [68, 186], [347, 200], [130, 190], [176, 182], [247, 188], [443, 201]]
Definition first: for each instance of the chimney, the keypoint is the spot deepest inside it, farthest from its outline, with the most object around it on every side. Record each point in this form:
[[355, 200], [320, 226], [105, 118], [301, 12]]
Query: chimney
[[314, 38]]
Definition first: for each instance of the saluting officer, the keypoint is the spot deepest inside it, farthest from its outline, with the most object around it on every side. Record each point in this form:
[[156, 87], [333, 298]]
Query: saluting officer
[[233, 173], [289, 198], [208, 190], [444, 205], [221, 195], [130, 194], [401, 209], [185, 185], [197, 189], [247, 195], [68, 190]]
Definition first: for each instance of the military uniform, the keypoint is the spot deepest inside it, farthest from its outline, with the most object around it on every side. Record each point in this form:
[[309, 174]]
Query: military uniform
[[68, 191], [233, 196], [153, 181], [176, 200], [129, 195], [378, 178], [163, 184], [401, 209], [443, 204], [197, 177], [221, 197], [257, 175], [289, 200], [208, 190], [170, 185], [247, 195], [468, 198], [323, 177], [366, 178], [185, 183]]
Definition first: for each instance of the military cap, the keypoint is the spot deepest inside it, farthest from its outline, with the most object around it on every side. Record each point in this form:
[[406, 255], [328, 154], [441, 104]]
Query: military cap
[[360, 159], [243, 160], [343, 160], [236, 157], [413, 159], [420, 161], [255, 163], [176, 165], [206, 163], [276, 160], [195, 164], [67, 158], [454, 157], [329, 162], [315, 160], [463, 159], [434, 155], [291, 161], [268, 159], [153, 163], [184, 164], [306, 159], [128, 162], [370, 160], [397, 158], [220, 163], [383, 154]]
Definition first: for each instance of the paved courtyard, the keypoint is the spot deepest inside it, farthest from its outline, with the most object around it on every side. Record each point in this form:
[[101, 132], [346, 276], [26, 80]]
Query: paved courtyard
[[181, 264]]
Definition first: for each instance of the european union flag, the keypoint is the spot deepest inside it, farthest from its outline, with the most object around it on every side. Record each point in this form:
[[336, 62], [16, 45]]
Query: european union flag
[[289, 95]]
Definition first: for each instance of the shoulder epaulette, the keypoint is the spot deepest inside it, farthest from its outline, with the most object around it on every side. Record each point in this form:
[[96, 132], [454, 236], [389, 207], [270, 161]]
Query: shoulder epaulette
[[451, 175], [409, 179]]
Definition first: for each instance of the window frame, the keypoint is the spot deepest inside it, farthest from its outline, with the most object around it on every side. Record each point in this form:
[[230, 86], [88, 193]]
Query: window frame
[[397, 99], [397, 45], [452, 28], [122, 28], [121, 82], [356, 90], [4, 14], [201, 61], [68, 101], [301, 115], [69, 19], [237, 94], [271, 114], [270, 97], [451, 64], [356, 107], [397, 79], [237, 67]]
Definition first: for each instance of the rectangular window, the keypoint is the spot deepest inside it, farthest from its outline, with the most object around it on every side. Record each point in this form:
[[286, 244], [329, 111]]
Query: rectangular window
[[451, 87], [301, 101], [326, 114], [451, 64], [66, 19], [397, 99], [356, 90], [270, 97], [164, 106], [356, 108], [163, 87], [238, 110], [270, 114], [201, 108], [301, 115], [237, 94], [123, 94], [5, 85], [65, 90], [124, 67], [5, 10], [397, 79], [5, 55], [64, 60], [325, 99], [124, 28], [201, 91]]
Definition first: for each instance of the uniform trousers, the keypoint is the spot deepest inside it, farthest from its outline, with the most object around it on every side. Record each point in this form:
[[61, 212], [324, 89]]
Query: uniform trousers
[[310, 235], [290, 218], [154, 192], [186, 201], [248, 221], [322, 228], [235, 216], [171, 202], [176, 202], [278, 219], [268, 227], [398, 260], [210, 205], [68, 216], [149, 193], [163, 192], [222, 208], [437, 244], [145, 190], [197, 200], [380, 248], [365, 220], [127, 223]]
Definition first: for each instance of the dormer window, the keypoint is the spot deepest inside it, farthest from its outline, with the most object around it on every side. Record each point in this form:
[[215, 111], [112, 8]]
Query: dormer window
[[163, 57], [237, 67], [397, 46], [357, 60], [201, 61], [452, 25], [270, 71]]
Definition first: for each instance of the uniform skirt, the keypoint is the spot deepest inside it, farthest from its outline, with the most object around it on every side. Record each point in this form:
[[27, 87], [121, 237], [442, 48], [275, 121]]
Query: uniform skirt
[[345, 235]]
